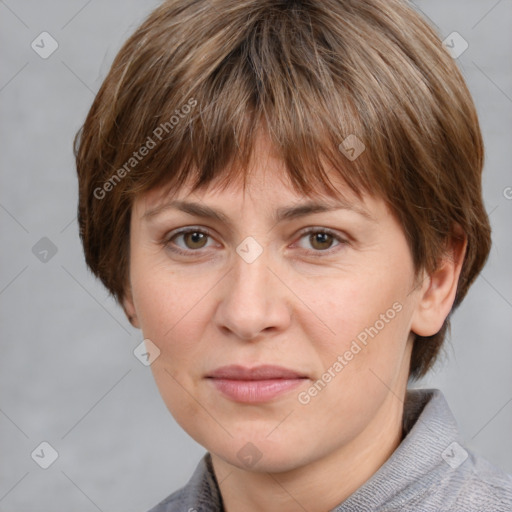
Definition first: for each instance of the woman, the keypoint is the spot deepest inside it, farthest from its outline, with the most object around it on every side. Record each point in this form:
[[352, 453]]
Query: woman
[[285, 197]]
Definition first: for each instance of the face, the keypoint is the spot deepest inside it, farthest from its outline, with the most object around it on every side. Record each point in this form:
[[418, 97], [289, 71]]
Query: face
[[325, 298]]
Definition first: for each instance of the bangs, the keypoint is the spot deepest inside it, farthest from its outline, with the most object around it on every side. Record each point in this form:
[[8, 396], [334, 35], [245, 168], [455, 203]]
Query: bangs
[[279, 77]]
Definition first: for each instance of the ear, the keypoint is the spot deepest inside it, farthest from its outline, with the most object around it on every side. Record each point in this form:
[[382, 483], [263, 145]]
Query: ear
[[129, 308], [438, 289]]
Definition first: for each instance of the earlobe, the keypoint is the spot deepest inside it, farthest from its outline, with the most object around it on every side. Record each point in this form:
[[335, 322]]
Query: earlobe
[[439, 289], [129, 309]]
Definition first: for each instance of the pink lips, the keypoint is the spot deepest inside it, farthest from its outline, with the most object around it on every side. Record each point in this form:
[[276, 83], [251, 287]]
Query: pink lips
[[253, 385]]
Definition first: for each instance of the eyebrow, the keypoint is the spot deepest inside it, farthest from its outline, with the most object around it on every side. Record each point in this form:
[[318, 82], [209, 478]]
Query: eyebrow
[[281, 214]]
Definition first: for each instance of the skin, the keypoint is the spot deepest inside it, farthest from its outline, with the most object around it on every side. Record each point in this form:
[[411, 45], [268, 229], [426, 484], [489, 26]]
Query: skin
[[300, 304]]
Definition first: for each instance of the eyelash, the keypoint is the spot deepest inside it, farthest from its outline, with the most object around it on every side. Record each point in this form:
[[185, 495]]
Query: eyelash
[[307, 231]]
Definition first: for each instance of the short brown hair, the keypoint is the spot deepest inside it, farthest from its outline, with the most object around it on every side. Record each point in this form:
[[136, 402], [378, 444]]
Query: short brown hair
[[312, 73]]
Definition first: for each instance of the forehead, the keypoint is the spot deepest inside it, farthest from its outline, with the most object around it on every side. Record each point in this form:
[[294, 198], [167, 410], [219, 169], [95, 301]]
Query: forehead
[[264, 180], [266, 192]]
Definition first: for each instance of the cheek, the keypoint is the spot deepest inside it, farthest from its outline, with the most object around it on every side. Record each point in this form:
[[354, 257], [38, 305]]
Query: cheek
[[174, 309], [169, 306], [361, 360], [171, 311], [370, 315]]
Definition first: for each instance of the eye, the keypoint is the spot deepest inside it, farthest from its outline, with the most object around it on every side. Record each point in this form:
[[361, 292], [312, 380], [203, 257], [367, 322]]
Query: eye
[[321, 239], [191, 240]]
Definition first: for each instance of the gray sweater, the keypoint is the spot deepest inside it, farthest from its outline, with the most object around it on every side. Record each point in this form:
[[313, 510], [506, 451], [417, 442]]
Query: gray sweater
[[430, 471]]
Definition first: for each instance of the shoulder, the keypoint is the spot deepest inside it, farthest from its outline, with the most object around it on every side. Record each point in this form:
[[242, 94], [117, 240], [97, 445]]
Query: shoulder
[[187, 500], [174, 502], [433, 469], [467, 482], [482, 486], [200, 494]]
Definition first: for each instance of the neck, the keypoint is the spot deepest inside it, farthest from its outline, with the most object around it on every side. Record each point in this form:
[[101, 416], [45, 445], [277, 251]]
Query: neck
[[321, 484]]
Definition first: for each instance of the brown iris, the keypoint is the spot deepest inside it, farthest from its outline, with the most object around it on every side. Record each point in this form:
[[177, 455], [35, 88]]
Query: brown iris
[[320, 240], [196, 238]]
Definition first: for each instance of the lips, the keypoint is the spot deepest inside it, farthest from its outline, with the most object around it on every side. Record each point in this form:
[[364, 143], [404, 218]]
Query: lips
[[254, 385], [264, 372]]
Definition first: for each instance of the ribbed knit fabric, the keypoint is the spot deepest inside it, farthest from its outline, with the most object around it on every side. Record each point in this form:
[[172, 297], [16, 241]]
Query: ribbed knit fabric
[[430, 471]]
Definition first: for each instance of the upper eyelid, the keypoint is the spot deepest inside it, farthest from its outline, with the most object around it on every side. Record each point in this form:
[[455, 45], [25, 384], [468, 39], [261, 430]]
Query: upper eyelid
[[187, 229], [302, 232], [207, 231], [340, 238], [319, 229]]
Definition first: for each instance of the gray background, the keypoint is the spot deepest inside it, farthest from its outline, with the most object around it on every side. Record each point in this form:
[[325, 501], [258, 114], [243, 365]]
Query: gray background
[[68, 374]]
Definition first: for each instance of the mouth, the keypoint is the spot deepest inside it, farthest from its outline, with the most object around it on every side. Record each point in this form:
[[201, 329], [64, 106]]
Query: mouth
[[254, 385]]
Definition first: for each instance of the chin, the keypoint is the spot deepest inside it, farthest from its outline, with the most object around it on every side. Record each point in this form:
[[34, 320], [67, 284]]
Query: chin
[[258, 455]]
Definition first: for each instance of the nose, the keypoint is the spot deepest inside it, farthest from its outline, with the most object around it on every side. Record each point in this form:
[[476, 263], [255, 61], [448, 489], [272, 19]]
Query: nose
[[254, 301]]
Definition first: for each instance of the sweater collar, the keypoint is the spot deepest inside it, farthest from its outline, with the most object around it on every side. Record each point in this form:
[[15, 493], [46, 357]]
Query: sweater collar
[[429, 428]]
